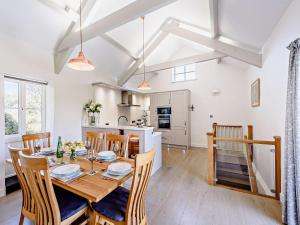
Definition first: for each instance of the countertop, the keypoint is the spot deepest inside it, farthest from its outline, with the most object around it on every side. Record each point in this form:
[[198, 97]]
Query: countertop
[[119, 127], [156, 134]]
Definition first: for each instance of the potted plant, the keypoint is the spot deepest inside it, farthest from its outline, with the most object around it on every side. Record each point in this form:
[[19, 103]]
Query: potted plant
[[91, 108]]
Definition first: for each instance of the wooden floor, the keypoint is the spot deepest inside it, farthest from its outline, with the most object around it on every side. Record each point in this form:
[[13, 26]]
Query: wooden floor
[[179, 195]]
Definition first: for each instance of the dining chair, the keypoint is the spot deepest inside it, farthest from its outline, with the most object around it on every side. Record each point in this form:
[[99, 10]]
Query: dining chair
[[124, 207], [96, 140], [29, 140], [28, 209], [117, 143], [54, 205]]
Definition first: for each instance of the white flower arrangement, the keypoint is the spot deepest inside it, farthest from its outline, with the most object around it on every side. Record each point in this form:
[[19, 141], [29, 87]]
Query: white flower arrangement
[[92, 107]]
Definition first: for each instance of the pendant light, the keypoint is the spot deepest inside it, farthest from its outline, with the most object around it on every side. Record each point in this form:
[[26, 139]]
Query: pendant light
[[81, 62], [144, 86]]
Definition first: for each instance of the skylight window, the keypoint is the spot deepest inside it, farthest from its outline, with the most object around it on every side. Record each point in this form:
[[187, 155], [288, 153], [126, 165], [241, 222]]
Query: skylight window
[[184, 73]]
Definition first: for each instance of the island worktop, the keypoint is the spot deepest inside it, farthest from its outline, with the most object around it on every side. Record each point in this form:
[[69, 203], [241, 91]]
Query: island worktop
[[120, 127], [147, 138]]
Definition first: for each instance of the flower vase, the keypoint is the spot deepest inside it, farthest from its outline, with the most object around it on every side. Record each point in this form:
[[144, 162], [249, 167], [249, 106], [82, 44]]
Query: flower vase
[[92, 120], [72, 155]]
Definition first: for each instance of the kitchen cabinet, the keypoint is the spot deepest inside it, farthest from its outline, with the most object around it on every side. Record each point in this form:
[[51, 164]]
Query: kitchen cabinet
[[166, 137], [163, 99], [153, 104], [179, 136], [179, 104], [158, 100], [153, 121]]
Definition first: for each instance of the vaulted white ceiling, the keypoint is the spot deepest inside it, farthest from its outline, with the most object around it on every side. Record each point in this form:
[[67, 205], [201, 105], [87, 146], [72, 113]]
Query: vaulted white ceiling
[[249, 22]]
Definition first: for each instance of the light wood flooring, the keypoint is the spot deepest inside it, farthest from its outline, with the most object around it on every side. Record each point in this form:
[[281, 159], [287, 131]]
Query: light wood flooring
[[179, 195]]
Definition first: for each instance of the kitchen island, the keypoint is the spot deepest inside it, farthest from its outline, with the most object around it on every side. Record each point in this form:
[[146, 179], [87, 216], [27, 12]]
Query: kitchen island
[[147, 138]]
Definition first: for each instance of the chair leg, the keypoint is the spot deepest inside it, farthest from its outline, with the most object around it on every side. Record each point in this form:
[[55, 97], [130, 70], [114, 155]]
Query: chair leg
[[94, 218], [21, 221]]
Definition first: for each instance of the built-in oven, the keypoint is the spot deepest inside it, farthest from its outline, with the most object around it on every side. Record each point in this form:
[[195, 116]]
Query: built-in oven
[[164, 111], [164, 117], [164, 121]]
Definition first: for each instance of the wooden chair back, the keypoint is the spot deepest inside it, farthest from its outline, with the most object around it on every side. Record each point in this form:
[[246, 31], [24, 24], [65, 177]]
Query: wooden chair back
[[96, 139], [29, 140], [28, 209], [47, 210], [117, 143], [136, 208]]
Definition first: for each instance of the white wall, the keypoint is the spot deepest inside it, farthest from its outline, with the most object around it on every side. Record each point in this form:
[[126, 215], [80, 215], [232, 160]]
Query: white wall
[[269, 118], [110, 98], [230, 107], [67, 92]]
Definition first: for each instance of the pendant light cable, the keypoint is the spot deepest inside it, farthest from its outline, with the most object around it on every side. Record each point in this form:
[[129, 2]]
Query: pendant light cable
[[144, 48], [80, 27]]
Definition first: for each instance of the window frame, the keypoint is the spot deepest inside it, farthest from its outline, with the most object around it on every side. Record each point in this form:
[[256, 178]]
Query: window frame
[[183, 73], [22, 109]]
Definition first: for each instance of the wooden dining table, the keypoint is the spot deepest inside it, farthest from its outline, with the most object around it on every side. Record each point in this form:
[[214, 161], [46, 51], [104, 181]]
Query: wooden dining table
[[96, 187]]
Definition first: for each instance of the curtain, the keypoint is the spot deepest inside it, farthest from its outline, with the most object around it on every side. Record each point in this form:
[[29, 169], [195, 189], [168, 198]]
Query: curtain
[[291, 201]]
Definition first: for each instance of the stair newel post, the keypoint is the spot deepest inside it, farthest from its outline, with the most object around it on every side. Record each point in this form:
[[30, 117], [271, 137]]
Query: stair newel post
[[250, 137], [214, 126], [277, 141], [211, 159]]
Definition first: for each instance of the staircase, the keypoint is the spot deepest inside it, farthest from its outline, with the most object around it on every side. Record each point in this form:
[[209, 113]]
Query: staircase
[[12, 184], [232, 169]]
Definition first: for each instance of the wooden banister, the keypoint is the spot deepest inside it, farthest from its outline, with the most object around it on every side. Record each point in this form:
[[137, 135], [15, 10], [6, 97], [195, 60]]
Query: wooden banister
[[252, 177], [277, 141], [262, 142], [211, 162], [236, 126]]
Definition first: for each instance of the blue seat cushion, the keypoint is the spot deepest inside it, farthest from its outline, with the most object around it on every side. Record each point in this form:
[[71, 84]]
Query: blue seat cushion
[[68, 203], [113, 205]]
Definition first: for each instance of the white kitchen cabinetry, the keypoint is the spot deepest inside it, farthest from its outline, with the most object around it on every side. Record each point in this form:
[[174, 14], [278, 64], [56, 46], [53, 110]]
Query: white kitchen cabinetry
[[179, 101], [163, 99], [153, 105], [179, 136], [158, 100], [179, 104], [166, 137]]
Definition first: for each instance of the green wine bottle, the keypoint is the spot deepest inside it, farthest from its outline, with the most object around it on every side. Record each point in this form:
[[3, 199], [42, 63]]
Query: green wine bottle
[[59, 150]]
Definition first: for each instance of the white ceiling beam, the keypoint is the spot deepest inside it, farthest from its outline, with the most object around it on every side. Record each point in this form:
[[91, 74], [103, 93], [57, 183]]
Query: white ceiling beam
[[62, 8], [213, 11], [149, 49], [180, 62], [119, 46], [60, 58], [239, 53], [122, 16]]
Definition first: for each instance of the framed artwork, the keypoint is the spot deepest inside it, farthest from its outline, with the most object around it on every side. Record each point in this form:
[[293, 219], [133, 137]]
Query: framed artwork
[[255, 93]]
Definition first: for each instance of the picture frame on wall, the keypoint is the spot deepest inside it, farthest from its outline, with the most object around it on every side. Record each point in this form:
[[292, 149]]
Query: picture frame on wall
[[255, 93]]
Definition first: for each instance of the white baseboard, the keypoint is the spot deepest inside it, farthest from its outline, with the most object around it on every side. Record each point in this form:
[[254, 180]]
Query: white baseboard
[[198, 145], [261, 181]]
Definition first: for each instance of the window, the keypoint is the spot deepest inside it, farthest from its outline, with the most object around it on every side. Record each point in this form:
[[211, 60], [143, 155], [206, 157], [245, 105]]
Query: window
[[24, 104], [184, 73]]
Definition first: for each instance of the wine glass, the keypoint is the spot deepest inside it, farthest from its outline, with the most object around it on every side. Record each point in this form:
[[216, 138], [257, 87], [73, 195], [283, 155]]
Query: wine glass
[[91, 157], [37, 146], [87, 144]]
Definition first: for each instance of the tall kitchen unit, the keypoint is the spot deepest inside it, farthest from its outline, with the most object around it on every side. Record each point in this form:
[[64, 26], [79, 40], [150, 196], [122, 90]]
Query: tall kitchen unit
[[178, 103]]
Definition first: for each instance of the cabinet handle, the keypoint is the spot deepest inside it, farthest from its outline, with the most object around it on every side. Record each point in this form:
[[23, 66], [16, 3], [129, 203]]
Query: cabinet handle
[[185, 132], [185, 123]]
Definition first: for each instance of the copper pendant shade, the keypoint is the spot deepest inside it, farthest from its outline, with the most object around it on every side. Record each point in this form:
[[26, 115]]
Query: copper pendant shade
[[80, 62], [144, 86]]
